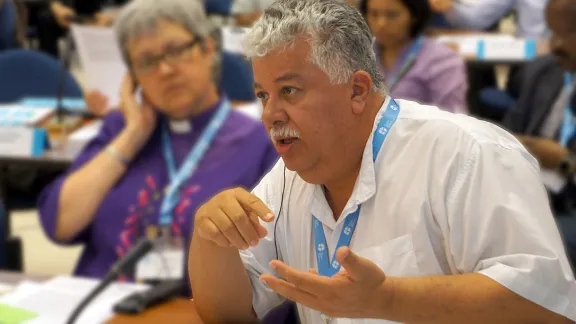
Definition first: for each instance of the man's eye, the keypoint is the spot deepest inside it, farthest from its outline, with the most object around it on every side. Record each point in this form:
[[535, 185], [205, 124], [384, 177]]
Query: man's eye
[[288, 90]]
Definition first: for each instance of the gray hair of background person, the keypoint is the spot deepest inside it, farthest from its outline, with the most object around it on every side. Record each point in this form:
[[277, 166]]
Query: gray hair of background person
[[340, 39], [142, 16]]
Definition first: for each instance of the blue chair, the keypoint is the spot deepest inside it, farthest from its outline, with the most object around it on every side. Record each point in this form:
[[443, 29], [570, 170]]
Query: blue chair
[[237, 79], [8, 21], [439, 21], [219, 7], [27, 73], [496, 99]]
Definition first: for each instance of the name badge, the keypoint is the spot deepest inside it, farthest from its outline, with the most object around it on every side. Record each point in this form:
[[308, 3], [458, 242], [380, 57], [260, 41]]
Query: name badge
[[164, 262]]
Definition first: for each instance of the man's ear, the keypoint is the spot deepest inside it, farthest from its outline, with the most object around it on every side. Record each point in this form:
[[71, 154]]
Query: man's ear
[[361, 88]]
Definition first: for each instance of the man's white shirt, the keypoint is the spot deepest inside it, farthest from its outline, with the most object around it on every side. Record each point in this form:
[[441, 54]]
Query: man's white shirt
[[448, 194]]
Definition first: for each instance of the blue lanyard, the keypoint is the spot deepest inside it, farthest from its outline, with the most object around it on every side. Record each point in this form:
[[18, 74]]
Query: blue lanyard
[[325, 267], [568, 125], [407, 62], [178, 178]]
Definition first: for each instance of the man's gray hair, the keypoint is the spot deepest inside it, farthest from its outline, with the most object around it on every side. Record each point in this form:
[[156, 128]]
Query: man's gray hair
[[140, 17], [340, 39]]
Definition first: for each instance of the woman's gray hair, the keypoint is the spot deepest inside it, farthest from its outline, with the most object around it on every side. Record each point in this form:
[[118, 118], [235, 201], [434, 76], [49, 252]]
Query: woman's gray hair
[[139, 17], [340, 39]]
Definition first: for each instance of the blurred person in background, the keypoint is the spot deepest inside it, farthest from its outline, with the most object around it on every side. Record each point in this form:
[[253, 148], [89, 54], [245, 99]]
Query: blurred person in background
[[485, 16], [52, 19], [482, 15], [157, 159], [246, 12], [542, 118], [415, 67]]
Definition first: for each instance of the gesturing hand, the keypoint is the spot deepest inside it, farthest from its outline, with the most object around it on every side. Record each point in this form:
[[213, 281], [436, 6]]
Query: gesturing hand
[[358, 291], [230, 219]]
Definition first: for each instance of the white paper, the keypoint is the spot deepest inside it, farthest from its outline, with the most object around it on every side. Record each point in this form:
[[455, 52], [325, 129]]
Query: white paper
[[16, 141], [4, 288], [55, 300], [18, 115], [101, 60], [233, 39], [504, 49]]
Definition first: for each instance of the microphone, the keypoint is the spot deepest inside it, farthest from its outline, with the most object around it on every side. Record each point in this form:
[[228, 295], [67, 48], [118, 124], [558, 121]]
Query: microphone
[[139, 302], [123, 265]]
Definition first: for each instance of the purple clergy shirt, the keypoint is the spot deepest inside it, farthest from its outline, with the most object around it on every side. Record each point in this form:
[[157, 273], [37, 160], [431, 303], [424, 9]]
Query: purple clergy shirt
[[437, 77], [240, 155]]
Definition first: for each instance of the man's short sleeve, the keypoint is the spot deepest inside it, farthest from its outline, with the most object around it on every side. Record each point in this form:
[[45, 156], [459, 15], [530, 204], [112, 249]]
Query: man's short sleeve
[[499, 224]]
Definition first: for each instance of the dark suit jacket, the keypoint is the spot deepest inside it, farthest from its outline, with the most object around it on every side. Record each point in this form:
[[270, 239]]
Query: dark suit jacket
[[542, 81]]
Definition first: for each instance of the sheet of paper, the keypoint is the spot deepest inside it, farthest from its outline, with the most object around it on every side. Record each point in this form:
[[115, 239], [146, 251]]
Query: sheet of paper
[[101, 60], [4, 288], [56, 299], [18, 115], [72, 104]]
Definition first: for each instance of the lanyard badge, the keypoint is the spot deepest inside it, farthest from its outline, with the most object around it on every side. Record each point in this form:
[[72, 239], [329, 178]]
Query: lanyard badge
[[166, 260], [568, 128], [327, 267]]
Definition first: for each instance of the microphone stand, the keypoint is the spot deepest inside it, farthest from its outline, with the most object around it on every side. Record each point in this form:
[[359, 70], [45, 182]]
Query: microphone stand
[[66, 58], [122, 266]]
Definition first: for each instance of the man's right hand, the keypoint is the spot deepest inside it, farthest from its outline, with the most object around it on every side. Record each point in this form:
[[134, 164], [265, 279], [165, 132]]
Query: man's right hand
[[62, 13], [231, 219]]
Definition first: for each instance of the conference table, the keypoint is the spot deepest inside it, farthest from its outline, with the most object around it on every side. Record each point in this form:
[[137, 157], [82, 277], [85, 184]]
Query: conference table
[[177, 311]]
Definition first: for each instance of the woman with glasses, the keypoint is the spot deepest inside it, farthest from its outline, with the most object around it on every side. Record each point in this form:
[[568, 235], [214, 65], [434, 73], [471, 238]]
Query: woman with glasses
[[174, 143], [415, 67]]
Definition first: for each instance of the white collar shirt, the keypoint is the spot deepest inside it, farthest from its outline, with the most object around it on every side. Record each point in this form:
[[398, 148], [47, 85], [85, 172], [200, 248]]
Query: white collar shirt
[[447, 194]]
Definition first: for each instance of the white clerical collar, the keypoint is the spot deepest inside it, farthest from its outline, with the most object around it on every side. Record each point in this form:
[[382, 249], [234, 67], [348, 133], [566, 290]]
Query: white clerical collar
[[180, 126]]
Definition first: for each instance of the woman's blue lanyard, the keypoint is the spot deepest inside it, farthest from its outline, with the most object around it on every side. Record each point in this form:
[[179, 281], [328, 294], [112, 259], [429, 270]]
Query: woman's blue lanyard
[[178, 178], [325, 267], [407, 62], [568, 123]]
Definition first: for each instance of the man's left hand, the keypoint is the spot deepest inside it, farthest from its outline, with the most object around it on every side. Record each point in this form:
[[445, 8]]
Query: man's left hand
[[358, 291]]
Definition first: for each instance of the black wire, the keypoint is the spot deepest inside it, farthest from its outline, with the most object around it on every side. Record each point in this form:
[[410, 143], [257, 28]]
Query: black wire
[[279, 213]]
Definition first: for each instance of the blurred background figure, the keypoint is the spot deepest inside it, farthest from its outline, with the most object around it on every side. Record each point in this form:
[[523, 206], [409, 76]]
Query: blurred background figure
[[52, 19], [415, 67], [542, 117], [147, 146], [246, 12]]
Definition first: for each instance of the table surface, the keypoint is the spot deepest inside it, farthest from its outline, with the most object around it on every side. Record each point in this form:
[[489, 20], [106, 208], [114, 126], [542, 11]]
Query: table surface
[[177, 311]]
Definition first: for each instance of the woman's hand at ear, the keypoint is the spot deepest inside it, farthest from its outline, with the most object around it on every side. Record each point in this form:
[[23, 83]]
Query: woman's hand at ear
[[140, 118]]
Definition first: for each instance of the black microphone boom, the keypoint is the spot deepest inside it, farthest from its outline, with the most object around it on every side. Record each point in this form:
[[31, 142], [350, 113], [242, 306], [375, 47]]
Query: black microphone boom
[[120, 267]]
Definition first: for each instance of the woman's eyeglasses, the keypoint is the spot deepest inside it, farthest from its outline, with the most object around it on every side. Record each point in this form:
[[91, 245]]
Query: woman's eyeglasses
[[172, 55]]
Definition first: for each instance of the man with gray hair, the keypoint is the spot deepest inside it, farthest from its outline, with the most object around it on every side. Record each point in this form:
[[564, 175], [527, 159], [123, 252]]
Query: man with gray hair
[[380, 209]]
